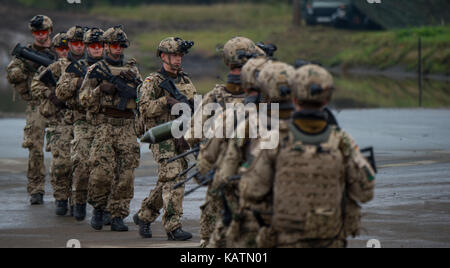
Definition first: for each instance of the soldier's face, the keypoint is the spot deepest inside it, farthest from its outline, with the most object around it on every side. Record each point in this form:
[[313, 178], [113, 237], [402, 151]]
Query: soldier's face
[[41, 36], [76, 47], [174, 59], [62, 52], [116, 49], [95, 50]]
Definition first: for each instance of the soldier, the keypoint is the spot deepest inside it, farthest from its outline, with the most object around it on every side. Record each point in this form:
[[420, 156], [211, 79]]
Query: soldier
[[50, 106], [236, 53], [83, 132], [254, 197], [20, 73], [60, 138], [115, 151], [155, 105], [319, 175]]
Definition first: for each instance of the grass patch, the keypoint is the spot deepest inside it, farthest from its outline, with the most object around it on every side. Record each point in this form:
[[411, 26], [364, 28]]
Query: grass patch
[[225, 14]]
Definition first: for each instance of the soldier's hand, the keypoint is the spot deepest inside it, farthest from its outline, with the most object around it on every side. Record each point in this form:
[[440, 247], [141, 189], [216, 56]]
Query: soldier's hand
[[108, 88], [171, 101]]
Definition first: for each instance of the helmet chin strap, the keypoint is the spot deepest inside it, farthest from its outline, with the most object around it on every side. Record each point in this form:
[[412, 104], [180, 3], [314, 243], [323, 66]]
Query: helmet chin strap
[[173, 67]]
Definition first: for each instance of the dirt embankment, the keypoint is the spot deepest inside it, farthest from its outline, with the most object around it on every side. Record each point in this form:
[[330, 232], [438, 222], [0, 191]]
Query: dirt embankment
[[14, 20]]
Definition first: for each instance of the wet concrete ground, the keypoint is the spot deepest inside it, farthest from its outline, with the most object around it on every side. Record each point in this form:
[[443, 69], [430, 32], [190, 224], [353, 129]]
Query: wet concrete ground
[[411, 206]]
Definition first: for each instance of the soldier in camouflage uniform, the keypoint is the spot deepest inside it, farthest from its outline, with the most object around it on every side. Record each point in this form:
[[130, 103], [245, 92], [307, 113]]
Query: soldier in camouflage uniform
[[236, 53], [115, 151], [271, 79], [155, 105], [319, 175], [61, 135], [20, 73], [83, 132], [50, 107]]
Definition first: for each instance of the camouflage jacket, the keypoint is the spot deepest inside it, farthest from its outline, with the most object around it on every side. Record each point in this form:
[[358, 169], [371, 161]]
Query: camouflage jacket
[[68, 92], [46, 93], [310, 176], [154, 110], [97, 102]]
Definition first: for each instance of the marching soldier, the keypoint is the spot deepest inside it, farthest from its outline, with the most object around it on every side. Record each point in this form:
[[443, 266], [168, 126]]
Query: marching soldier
[[115, 151], [20, 73], [319, 175], [61, 136], [83, 132], [155, 103], [270, 79], [236, 53]]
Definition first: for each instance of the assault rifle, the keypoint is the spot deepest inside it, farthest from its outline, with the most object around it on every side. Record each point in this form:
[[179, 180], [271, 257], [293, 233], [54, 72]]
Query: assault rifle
[[169, 86], [126, 92], [48, 79], [205, 181], [194, 150], [37, 57], [78, 69]]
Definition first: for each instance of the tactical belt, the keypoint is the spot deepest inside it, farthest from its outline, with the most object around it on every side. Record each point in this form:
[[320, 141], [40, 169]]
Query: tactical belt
[[127, 114]]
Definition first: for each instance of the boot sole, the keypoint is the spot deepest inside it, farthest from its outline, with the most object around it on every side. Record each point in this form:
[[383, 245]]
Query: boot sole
[[184, 239], [97, 228]]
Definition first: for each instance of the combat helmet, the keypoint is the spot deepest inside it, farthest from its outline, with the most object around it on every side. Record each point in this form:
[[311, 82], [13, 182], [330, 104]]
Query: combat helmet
[[250, 72], [238, 50], [312, 84], [75, 33], [93, 35], [174, 45], [60, 40], [273, 81], [40, 23], [116, 34]]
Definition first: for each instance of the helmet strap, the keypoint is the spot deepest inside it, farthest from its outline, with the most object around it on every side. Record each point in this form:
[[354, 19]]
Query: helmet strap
[[172, 67]]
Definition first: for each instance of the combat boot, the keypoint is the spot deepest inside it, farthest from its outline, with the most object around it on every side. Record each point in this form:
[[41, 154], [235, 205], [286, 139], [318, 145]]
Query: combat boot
[[106, 218], [117, 225], [97, 219], [136, 219], [80, 212], [37, 199], [62, 207], [179, 235], [145, 230]]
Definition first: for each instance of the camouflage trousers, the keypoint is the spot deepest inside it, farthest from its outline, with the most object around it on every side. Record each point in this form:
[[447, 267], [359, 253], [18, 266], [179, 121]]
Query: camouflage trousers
[[59, 139], [218, 237], [113, 158], [243, 232], [33, 140], [163, 196], [210, 215], [80, 148]]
